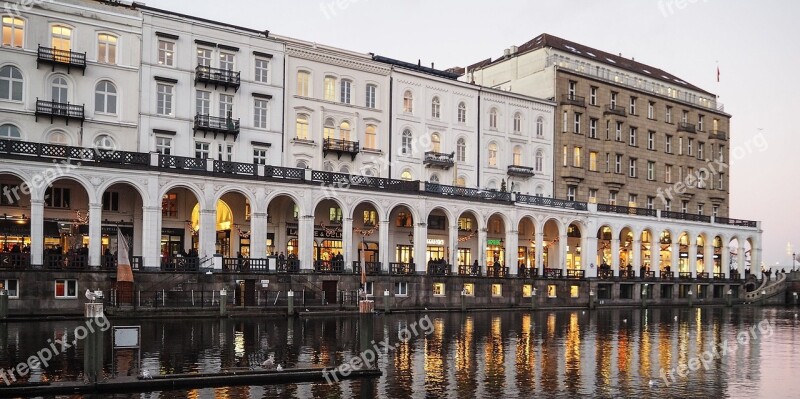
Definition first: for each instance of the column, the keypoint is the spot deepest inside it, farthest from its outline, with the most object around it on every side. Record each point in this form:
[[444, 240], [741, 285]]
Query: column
[[305, 240], [351, 243], [755, 258], [95, 234], [590, 247], [539, 252], [258, 235], [383, 244], [655, 256], [453, 246], [693, 256], [420, 247], [676, 254], [708, 257], [724, 260], [615, 256], [740, 259], [37, 232], [512, 242], [207, 233], [482, 234], [151, 243], [562, 253], [636, 249]]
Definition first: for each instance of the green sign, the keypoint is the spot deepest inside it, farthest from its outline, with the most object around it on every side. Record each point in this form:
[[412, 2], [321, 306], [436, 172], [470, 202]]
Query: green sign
[[494, 242]]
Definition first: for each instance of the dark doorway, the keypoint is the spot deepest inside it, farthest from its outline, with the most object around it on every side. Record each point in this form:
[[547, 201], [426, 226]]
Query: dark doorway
[[329, 288], [249, 293]]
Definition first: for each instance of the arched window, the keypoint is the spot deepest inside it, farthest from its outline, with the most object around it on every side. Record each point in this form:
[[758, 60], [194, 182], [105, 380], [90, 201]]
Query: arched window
[[492, 185], [10, 83], [436, 143], [405, 148], [61, 39], [105, 97], [106, 48], [461, 150], [462, 112], [461, 181], [327, 166], [371, 137], [10, 132], [539, 127], [406, 175], [493, 118], [59, 90], [436, 108], [492, 154], [539, 191], [303, 83], [434, 178], [13, 31], [517, 123], [517, 156], [59, 137], [302, 164], [408, 102], [329, 89], [344, 131], [301, 126], [344, 169], [539, 161], [329, 129], [105, 142]]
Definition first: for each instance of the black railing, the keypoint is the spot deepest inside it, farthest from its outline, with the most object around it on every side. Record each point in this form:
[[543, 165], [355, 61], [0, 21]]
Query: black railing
[[54, 56], [553, 273], [528, 272], [217, 76], [55, 109], [469, 270], [686, 127], [686, 216], [438, 269], [735, 222], [372, 268], [342, 180], [280, 172], [520, 171], [340, 146], [667, 275], [718, 135], [433, 158], [614, 109], [215, 124], [329, 266], [735, 275], [605, 274], [288, 266], [61, 261], [719, 276], [702, 275], [12, 260], [176, 162], [626, 210], [551, 202], [235, 168], [571, 99], [572, 273], [245, 265], [496, 271], [627, 274], [650, 274], [685, 275], [402, 269], [475, 193], [122, 157], [180, 264]]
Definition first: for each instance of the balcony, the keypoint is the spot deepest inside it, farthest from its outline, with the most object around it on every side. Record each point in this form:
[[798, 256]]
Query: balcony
[[571, 99], [288, 266], [402, 269], [54, 56], [245, 265], [649, 275], [685, 275], [339, 147], [702, 275], [553, 273], [719, 276], [686, 216], [55, 109], [571, 273], [686, 127], [718, 135], [627, 274], [551, 202], [439, 159], [329, 266], [473, 193], [217, 77], [11, 260], [605, 274], [527, 272], [667, 275], [572, 174], [614, 110], [626, 210], [496, 271], [520, 171], [180, 264], [469, 270], [212, 124], [438, 269], [373, 268], [334, 179]]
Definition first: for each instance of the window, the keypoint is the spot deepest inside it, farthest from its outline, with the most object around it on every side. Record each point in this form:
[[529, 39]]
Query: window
[[401, 288], [593, 195], [461, 150], [13, 31], [57, 197], [327, 166], [667, 204], [539, 127], [436, 143], [462, 113], [668, 144], [61, 39], [551, 291], [690, 147], [261, 70], [10, 132], [651, 170], [105, 97], [12, 286], [204, 57], [434, 178], [618, 164], [164, 99], [618, 132], [106, 48], [344, 91], [59, 90], [593, 161], [66, 288], [633, 106], [492, 154], [166, 53], [260, 113], [593, 128], [438, 289], [329, 129], [564, 161], [517, 123], [517, 155], [684, 206], [406, 175], [344, 130], [651, 140], [632, 167], [59, 137], [593, 96], [685, 116], [574, 291], [700, 150], [465, 224], [163, 145], [303, 82], [571, 193], [405, 145], [202, 150], [577, 123], [715, 211], [721, 153], [497, 290], [700, 209], [329, 91], [576, 157], [650, 202], [571, 90], [461, 181], [111, 201], [469, 289], [10, 83], [370, 218], [564, 122], [371, 137], [7, 199], [700, 119], [225, 152], [104, 142], [335, 215], [203, 102], [408, 102], [226, 61], [668, 114], [720, 180], [612, 197], [539, 164], [632, 137], [608, 163], [493, 118], [613, 99], [436, 108], [651, 112], [301, 127], [225, 105], [372, 91]]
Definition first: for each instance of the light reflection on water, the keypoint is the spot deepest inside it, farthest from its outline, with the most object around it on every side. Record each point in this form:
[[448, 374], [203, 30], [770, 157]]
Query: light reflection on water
[[559, 354]]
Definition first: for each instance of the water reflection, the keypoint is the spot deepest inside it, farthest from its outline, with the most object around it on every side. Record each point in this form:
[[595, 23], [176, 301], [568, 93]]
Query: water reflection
[[608, 353]]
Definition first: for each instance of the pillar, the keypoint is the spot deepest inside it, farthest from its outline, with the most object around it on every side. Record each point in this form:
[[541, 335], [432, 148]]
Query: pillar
[[95, 234], [615, 256], [562, 253], [740, 260], [258, 235], [482, 236], [636, 250], [590, 247], [693, 256], [351, 243], [512, 242], [453, 246], [151, 243], [724, 260], [755, 258], [676, 254], [420, 247], [539, 252], [207, 233], [655, 256], [37, 232], [305, 240], [708, 257], [383, 244]]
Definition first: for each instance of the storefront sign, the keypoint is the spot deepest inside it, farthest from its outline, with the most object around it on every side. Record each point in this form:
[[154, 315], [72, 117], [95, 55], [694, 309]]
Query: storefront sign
[[291, 231], [435, 242], [494, 242]]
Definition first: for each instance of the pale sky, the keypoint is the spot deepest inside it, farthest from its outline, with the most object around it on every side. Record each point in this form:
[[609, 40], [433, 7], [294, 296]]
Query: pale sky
[[753, 41]]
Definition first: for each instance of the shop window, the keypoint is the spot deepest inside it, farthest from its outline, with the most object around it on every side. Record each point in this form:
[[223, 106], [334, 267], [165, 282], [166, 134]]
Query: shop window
[[169, 205], [66, 288], [527, 290], [336, 215], [370, 218], [12, 286], [438, 289], [574, 291], [403, 220], [551, 291], [111, 201], [401, 288], [666, 291], [469, 289], [497, 290], [626, 291]]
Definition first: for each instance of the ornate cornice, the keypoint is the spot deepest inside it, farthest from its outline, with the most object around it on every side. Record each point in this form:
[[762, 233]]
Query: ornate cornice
[[327, 58]]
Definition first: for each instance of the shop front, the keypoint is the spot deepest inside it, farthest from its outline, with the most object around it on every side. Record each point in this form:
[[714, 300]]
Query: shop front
[[495, 252]]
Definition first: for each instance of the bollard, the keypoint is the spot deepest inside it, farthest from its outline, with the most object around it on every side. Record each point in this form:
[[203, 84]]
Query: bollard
[[386, 301], [290, 301], [223, 300], [730, 297], [690, 297], [3, 304], [93, 343], [591, 299]]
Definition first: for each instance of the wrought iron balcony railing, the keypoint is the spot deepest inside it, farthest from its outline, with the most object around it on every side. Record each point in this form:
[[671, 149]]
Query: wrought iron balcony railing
[[571, 99], [520, 171], [686, 127], [216, 125], [469, 270], [54, 109], [217, 77], [626, 210], [686, 216], [402, 269], [54, 56], [372, 268], [718, 135], [474, 193], [439, 159], [615, 110], [339, 147]]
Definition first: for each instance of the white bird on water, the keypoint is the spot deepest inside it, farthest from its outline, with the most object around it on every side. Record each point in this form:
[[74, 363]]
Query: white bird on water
[[624, 320], [146, 375], [676, 318], [90, 295]]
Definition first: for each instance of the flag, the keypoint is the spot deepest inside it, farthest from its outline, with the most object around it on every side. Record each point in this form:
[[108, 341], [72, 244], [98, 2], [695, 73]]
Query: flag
[[124, 272], [717, 73], [363, 268]]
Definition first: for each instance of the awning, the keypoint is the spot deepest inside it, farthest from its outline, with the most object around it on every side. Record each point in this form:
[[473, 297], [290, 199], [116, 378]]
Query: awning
[[17, 228]]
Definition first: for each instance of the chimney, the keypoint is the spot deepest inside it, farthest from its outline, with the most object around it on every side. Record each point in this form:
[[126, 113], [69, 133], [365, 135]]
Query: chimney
[[506, 53], [419, 63], [513, 49], [432, 66]]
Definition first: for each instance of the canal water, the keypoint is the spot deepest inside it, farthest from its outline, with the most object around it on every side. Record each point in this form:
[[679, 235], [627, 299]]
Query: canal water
[[615, 353]]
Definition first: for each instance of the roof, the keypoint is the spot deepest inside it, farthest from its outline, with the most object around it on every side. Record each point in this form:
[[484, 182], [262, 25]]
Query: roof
[[142, 6], [448, 74], [546, 40]]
